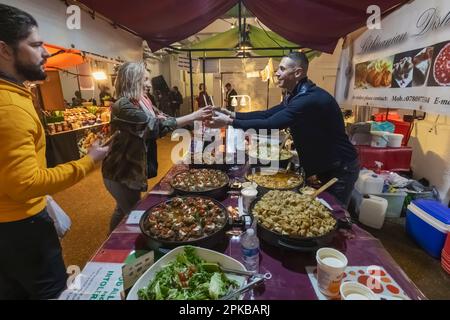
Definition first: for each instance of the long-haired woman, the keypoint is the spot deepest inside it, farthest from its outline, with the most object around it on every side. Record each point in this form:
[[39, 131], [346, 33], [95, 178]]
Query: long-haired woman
[[131, 160]]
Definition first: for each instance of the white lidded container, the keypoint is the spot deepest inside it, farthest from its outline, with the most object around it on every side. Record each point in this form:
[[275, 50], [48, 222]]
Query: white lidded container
[[372, 211], [395, 140], [380, 139], [368, 182]]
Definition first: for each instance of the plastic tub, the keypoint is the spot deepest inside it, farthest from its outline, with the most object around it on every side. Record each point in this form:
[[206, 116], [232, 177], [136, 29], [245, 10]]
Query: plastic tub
[[379, 139], [395, 140], [395, 203], [428, 223]]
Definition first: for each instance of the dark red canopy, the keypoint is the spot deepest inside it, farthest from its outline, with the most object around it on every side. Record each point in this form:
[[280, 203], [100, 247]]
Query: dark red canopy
[[316, 24]]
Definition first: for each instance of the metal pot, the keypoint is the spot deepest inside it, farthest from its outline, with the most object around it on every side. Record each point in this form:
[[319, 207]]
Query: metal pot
[[215, 166], [208, 241], [219, 193], [258, 162], [299, 244], [262, 190]]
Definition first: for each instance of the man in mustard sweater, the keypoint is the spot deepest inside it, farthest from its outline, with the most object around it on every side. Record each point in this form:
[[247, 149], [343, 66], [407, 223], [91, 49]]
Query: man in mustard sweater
[[31, 263]]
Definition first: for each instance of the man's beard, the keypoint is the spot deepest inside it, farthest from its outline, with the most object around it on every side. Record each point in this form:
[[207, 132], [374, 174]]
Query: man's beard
[[30, 72]]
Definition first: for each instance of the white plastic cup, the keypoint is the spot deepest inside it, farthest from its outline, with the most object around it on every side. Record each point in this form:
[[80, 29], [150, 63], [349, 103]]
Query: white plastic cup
[[331, 265], [248, 195], [249, 184], [352, 290]]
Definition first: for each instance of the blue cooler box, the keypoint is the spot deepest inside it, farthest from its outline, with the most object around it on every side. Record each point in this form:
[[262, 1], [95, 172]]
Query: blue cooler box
[[428, 222]]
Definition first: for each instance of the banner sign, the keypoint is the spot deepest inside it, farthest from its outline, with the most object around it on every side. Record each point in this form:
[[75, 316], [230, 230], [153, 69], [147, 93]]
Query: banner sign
[[97, 281], [405, 64]]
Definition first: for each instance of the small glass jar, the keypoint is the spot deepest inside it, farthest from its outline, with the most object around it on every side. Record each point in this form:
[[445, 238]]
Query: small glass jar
[[51, 128], [58, 127], [66, 126]]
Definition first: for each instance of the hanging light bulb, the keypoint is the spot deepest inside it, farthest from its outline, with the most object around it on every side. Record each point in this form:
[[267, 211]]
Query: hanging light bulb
[[99, 75], [243, 102], [234, 102]]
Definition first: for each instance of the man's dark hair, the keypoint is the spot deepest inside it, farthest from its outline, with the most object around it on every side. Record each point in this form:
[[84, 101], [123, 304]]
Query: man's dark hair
[[300, 59], [15, 25], [228, 85]]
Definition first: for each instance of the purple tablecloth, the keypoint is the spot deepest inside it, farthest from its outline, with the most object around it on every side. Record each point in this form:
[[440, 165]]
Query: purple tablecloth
[[289, 277]]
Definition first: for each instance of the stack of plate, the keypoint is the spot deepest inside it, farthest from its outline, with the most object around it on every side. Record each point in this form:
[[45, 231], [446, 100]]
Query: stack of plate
[[445, 257]]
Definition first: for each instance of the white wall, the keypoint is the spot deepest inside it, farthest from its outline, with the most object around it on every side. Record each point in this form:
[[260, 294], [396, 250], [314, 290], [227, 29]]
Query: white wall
[[69, 84], [430, 141], [96, 36], [322, 70]]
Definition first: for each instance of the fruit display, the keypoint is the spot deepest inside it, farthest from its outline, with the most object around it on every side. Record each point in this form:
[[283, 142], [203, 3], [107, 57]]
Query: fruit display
[[76, 118]]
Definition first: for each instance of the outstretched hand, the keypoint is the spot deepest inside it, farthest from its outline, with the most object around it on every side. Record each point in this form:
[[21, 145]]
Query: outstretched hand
[[202, 114], [97, 152], [222, 110], [220, 120]]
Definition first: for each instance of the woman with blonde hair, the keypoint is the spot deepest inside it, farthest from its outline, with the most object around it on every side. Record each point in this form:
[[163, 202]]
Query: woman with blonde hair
[[126, 168]]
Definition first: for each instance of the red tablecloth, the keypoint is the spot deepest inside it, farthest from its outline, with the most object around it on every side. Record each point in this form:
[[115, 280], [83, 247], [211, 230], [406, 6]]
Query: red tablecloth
[[393, 159], [290, 280]]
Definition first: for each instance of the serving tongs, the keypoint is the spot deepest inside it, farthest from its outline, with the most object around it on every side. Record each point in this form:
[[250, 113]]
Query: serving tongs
[[244, 289], [257, 278]]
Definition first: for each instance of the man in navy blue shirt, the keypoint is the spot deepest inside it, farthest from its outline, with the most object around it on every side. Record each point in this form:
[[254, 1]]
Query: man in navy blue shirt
[[316, 125]]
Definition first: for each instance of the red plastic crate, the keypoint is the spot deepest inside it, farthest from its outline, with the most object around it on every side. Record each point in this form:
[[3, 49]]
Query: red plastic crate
[[382, 116]]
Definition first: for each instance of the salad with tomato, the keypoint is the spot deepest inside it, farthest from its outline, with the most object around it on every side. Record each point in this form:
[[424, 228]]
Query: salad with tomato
[[188, 277]]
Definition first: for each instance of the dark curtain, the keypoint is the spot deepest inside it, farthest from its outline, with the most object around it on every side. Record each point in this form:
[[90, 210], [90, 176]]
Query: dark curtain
[[162, 22], [315, 24]]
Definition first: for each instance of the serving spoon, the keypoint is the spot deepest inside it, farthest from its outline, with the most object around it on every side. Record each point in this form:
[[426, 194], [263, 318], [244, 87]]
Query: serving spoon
[[324, 187]]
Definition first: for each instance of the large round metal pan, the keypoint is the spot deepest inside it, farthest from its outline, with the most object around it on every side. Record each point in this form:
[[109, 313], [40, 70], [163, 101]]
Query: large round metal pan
[[216, 193], [258, 162], [262, 189], [208, 241], [301, 244], [205, 165]]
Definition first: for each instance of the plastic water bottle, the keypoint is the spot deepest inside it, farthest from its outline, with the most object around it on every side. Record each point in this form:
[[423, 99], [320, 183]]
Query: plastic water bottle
[[250, 250]]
